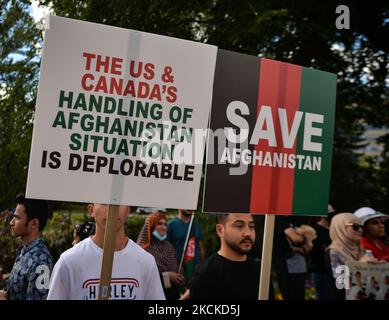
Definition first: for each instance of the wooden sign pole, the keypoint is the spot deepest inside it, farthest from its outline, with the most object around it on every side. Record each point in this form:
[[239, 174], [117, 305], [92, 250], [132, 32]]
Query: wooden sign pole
[[108, 252], [267, 250]]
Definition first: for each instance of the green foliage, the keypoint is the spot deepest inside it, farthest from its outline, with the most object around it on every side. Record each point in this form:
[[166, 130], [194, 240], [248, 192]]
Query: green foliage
[[172, 18], [18, 84], [58, 235], [210, 239], [7, 244], [134, 225]]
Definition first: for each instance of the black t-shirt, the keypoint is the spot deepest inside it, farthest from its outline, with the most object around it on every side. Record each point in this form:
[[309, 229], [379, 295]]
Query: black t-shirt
[[320, 244], [221, 278]]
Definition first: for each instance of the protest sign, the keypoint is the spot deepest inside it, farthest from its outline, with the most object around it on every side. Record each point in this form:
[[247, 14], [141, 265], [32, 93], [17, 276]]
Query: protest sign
[[367, 281], [270, 145], [114, 108]]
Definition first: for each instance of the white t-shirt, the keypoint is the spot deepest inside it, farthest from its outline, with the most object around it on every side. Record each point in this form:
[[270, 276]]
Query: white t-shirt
[[76, 275]]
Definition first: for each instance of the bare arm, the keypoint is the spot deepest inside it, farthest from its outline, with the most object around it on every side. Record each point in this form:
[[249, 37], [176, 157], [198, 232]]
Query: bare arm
[[295, 237]]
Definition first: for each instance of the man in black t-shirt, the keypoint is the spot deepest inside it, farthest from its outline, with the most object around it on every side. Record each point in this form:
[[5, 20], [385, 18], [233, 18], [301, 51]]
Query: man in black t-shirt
[[229, 274]]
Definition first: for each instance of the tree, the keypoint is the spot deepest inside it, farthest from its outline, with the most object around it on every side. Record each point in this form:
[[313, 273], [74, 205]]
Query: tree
[[19, 66]]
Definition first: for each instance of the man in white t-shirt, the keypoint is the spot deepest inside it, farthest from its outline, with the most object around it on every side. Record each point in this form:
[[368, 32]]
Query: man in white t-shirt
[[76, 275]]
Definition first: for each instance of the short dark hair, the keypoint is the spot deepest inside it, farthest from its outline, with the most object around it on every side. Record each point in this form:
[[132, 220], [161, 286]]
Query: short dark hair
[[222, 218], [35, 209]]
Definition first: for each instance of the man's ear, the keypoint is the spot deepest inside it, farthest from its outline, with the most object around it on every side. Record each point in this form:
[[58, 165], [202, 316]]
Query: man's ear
[[34, 224], [219, 230]]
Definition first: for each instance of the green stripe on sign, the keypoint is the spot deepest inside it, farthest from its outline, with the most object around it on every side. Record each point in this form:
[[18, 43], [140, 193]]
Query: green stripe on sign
[[311, 188]]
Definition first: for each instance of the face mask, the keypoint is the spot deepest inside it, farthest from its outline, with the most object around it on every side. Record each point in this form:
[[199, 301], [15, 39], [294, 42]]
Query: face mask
[[158, 236]]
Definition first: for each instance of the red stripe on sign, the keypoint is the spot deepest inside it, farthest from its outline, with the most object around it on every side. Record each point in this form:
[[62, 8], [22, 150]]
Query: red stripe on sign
[[272, 186]]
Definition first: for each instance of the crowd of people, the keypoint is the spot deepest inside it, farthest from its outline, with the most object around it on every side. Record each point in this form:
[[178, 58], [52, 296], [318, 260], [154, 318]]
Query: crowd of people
[[168, 261]]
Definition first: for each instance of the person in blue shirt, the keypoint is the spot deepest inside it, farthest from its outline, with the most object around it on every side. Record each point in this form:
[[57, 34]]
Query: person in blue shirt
[[30, 274], [176, 234]]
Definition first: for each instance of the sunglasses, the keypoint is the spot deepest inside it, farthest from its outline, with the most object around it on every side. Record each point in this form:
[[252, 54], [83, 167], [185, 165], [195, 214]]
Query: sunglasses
[[162, 223], [355, 226]]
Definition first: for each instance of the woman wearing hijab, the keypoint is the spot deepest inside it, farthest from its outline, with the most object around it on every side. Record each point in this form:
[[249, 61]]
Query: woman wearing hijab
[[152, 238], [345, 233]]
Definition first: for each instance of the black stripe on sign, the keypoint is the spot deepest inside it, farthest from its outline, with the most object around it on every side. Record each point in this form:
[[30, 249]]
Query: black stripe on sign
[[236, 78]]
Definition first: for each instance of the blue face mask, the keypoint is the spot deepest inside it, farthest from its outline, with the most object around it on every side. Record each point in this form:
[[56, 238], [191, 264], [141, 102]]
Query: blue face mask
[[158, 236]]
